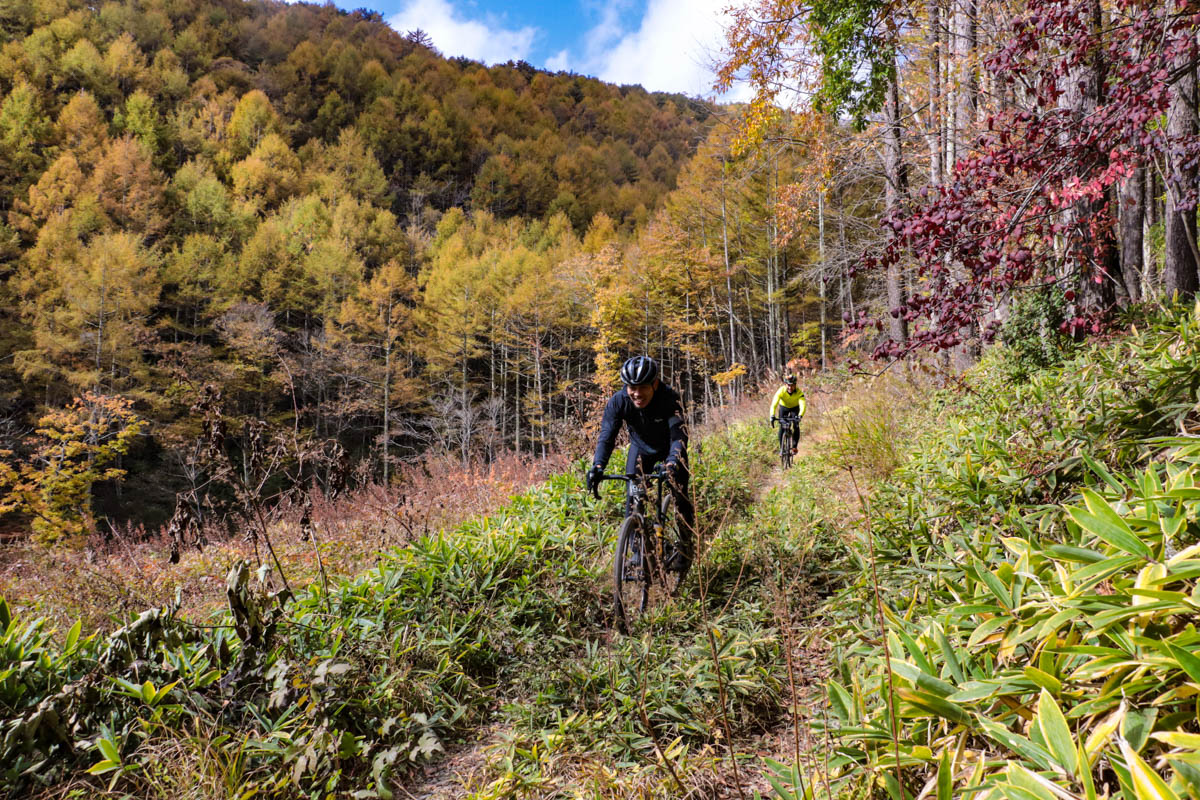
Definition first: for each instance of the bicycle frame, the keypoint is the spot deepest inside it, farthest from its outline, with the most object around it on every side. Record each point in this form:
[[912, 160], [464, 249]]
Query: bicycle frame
[[637, 489], [655, 542]]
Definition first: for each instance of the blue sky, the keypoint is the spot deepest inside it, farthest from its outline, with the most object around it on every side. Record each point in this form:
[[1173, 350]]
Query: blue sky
[[665, 45]]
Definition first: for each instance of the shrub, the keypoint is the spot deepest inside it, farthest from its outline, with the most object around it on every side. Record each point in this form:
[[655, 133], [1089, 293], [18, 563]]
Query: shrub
[[1032, 334]]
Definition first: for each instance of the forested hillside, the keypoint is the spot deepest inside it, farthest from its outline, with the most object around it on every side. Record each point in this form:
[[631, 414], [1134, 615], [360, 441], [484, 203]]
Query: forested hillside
[[252, 197]]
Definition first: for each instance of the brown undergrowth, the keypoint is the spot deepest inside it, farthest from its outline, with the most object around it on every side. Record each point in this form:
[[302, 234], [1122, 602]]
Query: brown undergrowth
[[131, 570]]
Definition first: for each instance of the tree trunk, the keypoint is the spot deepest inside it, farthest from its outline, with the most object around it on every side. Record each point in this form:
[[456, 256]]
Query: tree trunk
[[896, 183], [967, 92], [1180, 265], [728, 272], [1151, 277], [1132, 210], [1091, 253], [821, 271], [387, 402], [933, 40]]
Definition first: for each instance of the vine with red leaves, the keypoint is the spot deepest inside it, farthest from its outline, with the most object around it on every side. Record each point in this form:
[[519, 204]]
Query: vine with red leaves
[[1003, 221]]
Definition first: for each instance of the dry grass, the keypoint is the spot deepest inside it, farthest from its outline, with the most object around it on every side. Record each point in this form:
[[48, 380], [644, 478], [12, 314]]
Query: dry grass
[[132, 570], [869, 429]]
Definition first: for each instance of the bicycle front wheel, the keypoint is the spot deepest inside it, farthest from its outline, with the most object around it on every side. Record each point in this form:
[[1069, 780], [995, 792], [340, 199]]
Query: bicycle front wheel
[[785, 448], [631, 576]]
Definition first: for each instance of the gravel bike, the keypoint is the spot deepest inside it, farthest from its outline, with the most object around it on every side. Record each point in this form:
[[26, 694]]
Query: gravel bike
[[649, 565], [785, 439]]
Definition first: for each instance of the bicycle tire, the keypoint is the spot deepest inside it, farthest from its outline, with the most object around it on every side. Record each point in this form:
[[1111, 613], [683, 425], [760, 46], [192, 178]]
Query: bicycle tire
[[630, 583], [785, 448]]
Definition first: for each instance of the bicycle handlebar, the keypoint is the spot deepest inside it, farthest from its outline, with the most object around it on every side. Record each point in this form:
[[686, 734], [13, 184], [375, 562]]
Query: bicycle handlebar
[[659, 471]]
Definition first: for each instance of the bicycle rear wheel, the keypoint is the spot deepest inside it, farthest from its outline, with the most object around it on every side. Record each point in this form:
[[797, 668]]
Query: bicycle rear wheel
[[631, 577], [665, 581]]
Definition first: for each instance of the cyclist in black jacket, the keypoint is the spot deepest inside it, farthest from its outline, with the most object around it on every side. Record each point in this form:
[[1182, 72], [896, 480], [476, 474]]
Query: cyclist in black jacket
[[657, 432]]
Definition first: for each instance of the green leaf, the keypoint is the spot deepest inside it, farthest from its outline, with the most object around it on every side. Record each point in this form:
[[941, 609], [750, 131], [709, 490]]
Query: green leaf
[[1057, 732], [1136, 727], [1037, 786], [935, 705], [1147, 784], [1043, 679], [895, 791], [1187, 767], [1100, 471], [973, 691], [1187, 662], [72, 635], [922, 679], [1085, 774], [108, 749], [915, 651], [843, 705], [101, 767], [948, 654], [1066, 552], [1019, 744], [1094, 573], [996, 587], [945, 777], [1178, 739], [1104, 523]]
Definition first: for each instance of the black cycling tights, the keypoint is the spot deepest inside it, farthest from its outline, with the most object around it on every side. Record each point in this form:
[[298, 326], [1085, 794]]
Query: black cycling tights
[[793, 413]]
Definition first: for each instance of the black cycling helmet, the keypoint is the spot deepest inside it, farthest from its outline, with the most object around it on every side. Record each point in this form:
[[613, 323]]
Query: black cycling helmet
[[638, 370], [790, 378]]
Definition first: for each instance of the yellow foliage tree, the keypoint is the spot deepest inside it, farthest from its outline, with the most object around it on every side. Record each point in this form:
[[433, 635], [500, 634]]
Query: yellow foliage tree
[[73, 451]]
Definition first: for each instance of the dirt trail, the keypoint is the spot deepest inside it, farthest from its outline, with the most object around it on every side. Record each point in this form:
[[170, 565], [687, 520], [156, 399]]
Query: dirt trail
[[450, 776], [791, 739]]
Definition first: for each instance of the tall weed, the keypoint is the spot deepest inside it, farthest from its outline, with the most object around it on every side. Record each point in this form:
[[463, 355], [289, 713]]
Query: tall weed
[[350, 685], [869, 433]]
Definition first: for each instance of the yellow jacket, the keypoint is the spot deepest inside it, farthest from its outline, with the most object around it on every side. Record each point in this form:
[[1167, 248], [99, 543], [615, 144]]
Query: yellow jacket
[[788, 400]]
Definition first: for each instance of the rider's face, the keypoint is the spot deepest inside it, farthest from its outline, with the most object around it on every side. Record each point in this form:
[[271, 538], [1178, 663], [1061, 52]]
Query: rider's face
[[641, 393]]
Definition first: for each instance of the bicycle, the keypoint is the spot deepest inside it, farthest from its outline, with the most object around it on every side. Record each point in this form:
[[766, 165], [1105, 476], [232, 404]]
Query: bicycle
[[785, 439], [642, 571]]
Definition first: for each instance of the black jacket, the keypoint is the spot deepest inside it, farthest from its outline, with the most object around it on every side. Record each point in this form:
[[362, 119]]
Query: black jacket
[[658, 430]]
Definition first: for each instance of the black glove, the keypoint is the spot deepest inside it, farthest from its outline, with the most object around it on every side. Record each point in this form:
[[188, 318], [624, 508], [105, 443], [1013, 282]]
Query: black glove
[[772, 422], [672, 470], [592, 479]]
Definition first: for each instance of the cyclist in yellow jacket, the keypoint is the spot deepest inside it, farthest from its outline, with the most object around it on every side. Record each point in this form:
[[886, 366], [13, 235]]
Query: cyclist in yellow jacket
[[789, 402]]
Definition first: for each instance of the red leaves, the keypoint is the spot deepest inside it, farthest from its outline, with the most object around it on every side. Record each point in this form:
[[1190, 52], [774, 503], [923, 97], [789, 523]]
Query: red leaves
[[1045, 171]]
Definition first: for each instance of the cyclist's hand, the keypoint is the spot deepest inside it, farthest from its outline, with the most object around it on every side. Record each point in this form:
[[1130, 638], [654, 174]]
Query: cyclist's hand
[[672, 468], [592, 480], [772, 422]]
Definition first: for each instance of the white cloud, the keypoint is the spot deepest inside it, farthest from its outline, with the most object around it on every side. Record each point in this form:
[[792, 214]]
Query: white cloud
[[559, 61], [673, 49], [454, 34]]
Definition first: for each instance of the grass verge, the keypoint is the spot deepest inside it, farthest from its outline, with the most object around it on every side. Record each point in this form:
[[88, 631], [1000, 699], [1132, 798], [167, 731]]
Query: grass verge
[[1019, 616], [347, 688]]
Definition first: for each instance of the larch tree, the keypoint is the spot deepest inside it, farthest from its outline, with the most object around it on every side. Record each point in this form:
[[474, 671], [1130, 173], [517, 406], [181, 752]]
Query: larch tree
[[378, 316]]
